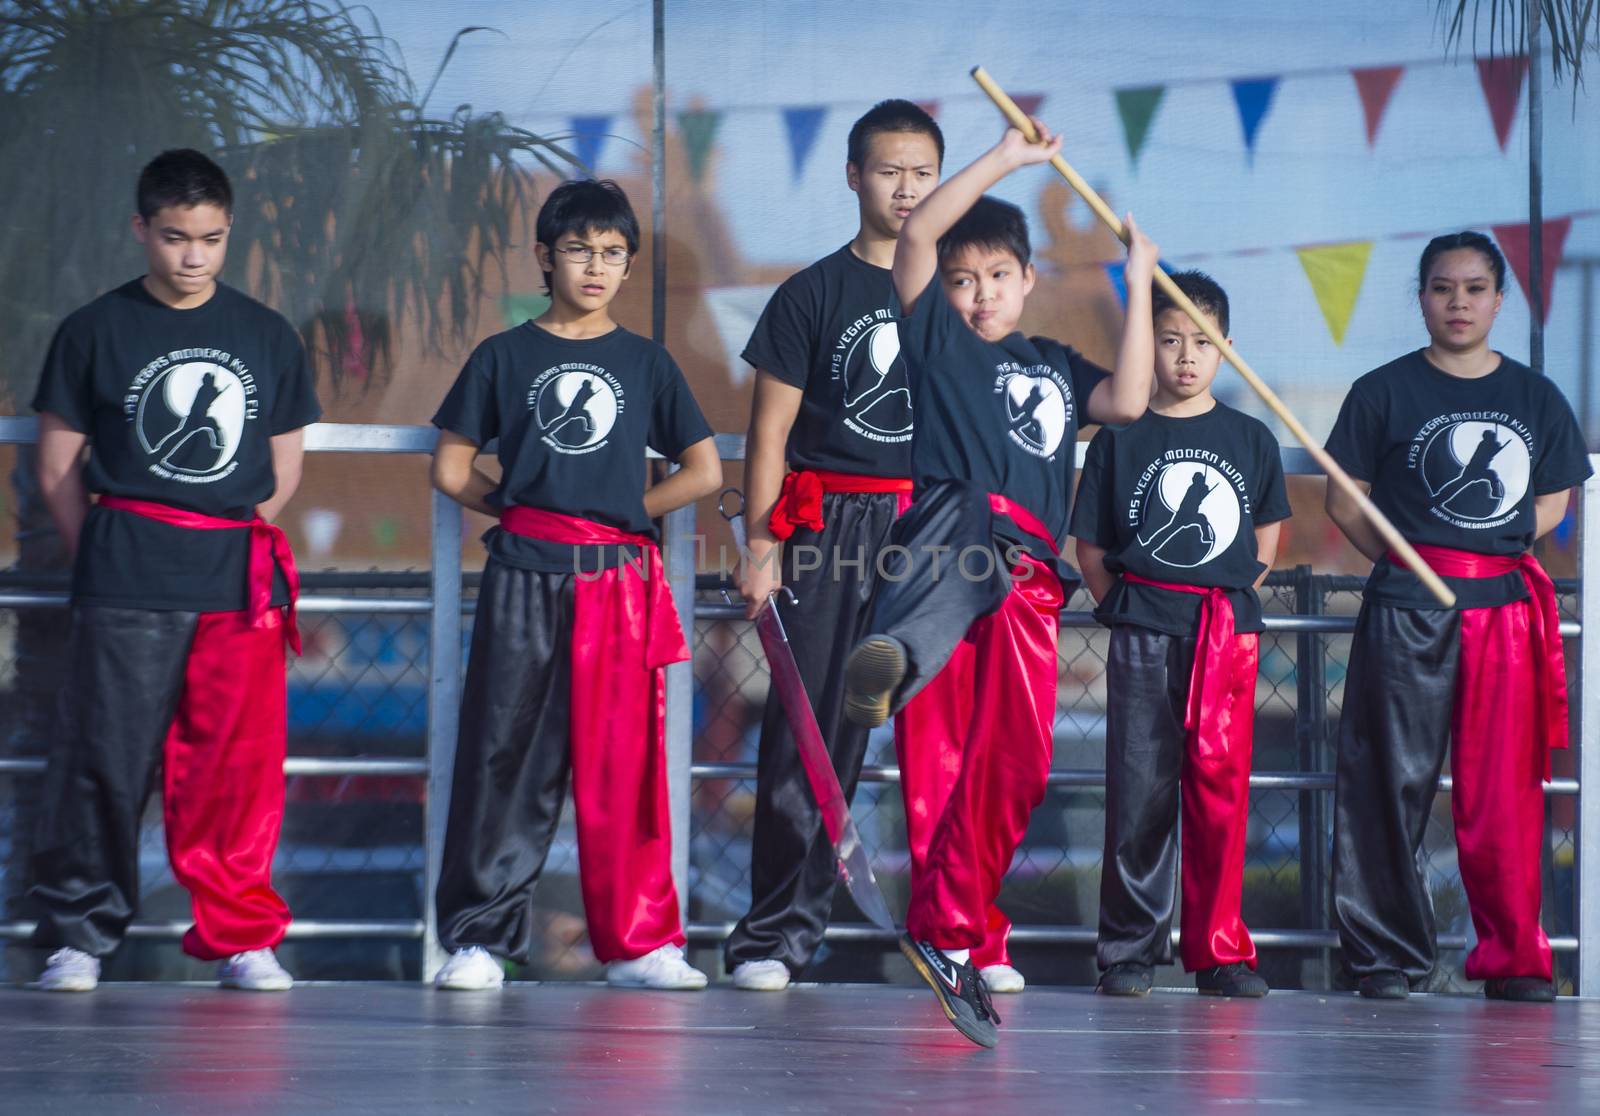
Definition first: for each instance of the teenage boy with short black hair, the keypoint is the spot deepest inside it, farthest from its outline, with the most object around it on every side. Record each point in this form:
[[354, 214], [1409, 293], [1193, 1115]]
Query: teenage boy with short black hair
[[992, 462], [575, 621], [1177, 523], [191, 399]]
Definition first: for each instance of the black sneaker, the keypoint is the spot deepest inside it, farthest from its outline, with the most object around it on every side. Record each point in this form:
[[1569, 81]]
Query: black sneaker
[[1126, 978], [872, 674], [961, 991], [1525, 990], [1387, 984], [1237, 979]]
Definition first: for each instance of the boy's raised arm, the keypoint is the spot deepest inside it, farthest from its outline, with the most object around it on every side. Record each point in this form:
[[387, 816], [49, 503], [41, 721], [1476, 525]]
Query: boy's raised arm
[[1124, 397], [916, 254]]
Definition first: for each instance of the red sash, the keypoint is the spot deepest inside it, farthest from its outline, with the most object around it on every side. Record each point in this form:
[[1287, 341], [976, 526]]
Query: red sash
[[1212, 673], [268, 544], [1025, 519], [1550, 664], [647, 596], [800, 500]]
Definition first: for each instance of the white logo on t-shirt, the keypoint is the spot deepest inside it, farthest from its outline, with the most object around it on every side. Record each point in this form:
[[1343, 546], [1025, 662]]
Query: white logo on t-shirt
[[1476, 467], [1188, 512], [876, 398], [1038, 407], [575, 406], [189, 414]]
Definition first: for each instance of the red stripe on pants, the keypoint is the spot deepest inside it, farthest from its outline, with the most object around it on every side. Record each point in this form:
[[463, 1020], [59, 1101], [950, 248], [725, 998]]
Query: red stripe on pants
[[223, 783], [1215, 800], [1498, 762], [1005, 762]]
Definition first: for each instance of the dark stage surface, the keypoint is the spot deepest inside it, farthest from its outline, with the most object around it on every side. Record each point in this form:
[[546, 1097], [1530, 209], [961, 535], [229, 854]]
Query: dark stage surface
[[132, 1049]]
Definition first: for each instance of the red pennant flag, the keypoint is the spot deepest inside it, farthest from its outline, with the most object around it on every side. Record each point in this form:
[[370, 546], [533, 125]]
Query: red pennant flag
[[1029, 102], [1515, 242], [1501, 79], [929, 107], [1376, 85]]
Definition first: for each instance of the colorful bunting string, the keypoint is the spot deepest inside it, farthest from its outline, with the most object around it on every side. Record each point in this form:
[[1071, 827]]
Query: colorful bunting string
[[698, 128], [1253, 96], [1336, 272], [1137, 108], [1376, 85], [588, 136], [802, 125], [1516, 242], [1501, 79]]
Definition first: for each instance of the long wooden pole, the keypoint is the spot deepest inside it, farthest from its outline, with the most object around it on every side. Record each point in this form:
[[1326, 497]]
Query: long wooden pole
[[1336, 474]]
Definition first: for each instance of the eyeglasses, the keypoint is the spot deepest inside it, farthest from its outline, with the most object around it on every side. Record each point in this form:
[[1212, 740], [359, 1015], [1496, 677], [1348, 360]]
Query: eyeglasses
[[582, 254]]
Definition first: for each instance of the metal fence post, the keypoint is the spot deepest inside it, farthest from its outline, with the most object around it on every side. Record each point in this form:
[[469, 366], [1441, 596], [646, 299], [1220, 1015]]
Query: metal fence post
[[1588, 836], [1311, 733], [444, 704], [678, 539]]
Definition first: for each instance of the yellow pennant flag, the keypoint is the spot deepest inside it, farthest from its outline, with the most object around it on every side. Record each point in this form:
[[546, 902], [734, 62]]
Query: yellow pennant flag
[[1336, 272]]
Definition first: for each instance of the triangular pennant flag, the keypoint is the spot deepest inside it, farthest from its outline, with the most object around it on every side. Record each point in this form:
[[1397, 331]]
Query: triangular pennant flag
[[1376, 85], [699, 128], [1137, 107], [588, 135], [1336, 272], [1515, 241], [1116, 271], [1254, 98], [1029, 103], [802, 124], [1501, 79], [929, 107]]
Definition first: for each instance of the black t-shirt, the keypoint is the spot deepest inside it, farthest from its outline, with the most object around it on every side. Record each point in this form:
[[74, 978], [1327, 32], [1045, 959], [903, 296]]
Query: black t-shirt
[[1001, 415], [1457, 462], [1178, 500], [829, 330], [573, 419], [180, 407]]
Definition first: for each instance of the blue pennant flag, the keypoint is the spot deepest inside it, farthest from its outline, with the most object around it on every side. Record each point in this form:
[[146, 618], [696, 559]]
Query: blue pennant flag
[[1115, 272], [588, 136], [1254, 98], [802, 124]]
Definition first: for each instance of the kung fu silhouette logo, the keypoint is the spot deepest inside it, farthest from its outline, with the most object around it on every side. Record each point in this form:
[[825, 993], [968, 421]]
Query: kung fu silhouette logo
[[1476, 467], [867, 362], [575, 406], [1038, 406], [1188, 511], [188, 410]]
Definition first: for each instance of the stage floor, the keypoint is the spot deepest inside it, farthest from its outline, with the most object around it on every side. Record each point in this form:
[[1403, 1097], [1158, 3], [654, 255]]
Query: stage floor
[[385, 1048]]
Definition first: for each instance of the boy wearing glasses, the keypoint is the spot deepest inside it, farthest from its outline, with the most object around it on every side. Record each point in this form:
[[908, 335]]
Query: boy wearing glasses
[[575, 622]]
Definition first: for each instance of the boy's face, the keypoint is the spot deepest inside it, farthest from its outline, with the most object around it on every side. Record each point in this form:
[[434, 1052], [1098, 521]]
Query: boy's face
[[987, 286], [1186, 362], [585, 285], [901, 168], [184, 248]]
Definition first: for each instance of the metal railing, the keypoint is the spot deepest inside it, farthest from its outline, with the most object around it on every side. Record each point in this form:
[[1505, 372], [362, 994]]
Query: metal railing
[[443, 604]]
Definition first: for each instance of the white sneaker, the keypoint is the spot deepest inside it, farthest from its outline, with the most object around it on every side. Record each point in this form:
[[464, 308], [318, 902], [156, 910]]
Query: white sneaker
[[663, 968], [767, 975], [256, 970], [470, 969], [70, 970], [1002, 979]]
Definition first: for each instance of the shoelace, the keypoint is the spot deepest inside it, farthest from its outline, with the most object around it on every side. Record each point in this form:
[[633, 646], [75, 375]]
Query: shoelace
[[985, 1004]]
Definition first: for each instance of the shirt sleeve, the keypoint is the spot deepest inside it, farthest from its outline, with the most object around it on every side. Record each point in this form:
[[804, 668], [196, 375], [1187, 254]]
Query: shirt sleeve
[[296, 404], [675, 419], [66, 384], [1270, 501], [785, 336], [1357, 438], [926, 330], [1094, 516], [1086, 375], [1563, 458], [470, 408]]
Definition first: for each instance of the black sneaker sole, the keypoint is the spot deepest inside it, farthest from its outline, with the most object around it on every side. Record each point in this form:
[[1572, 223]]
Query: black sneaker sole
[[1129, 993], [985, 1034], [876, 668]]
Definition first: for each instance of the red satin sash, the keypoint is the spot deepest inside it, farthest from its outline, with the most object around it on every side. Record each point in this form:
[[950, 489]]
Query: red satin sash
[[1212, 673], [800, 499], [1550, 664], [1025, 519], [268, 544], [647, 596]]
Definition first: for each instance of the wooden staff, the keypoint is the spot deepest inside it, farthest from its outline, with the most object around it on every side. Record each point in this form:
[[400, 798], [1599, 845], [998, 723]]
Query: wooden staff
[[1336, 474]]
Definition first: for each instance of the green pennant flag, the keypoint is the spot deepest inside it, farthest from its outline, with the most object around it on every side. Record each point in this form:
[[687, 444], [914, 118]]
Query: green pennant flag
[[1336, 272], [1137, 107], [698, 128]]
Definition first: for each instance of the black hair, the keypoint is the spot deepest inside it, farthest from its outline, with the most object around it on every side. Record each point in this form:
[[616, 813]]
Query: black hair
[[581, 206], [1204, 291], [990, 223], [182, 177], [893, 115], [1476, 241]]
